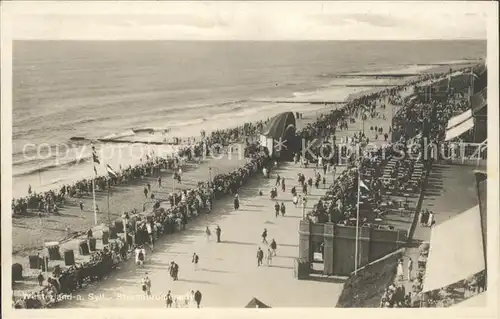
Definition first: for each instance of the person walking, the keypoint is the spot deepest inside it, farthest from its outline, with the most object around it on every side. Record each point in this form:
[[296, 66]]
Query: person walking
[[207, 231], [283, 209], [278, 180], [273, 246], [168, 299], [269, 257], [260, 256], [195, 261], [410, 268], [218, 232], [236, 202], [146, 285], [264, 236], [197, 298], [277, 209]]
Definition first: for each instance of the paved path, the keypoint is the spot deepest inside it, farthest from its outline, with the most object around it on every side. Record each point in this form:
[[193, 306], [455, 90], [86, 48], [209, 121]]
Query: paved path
[[228, 274]]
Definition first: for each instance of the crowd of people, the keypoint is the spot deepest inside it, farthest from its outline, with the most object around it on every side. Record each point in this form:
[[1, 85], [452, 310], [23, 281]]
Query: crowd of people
[[437, 110], [50, 201], [143, 229], [338, 205]]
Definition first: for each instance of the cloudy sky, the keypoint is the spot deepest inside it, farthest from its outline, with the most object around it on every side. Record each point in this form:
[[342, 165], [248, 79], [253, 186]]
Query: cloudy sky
[[254, 21]]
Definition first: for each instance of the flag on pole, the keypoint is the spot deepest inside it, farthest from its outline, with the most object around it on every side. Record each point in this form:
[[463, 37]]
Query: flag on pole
[[111, 171], [363, 185], [95, 158]]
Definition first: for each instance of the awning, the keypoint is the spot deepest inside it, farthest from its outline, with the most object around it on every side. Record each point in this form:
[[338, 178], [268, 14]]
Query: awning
[[480, 300], [456, 251], [456, 120], [459, 129]]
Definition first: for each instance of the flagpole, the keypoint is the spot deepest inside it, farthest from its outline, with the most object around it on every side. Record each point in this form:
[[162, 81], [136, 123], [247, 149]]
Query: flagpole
[[357, 223], [95, 159], [93, 198], [109, 217]]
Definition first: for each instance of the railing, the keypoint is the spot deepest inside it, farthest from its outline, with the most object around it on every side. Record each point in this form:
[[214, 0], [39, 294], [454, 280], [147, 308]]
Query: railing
[[474, 151]]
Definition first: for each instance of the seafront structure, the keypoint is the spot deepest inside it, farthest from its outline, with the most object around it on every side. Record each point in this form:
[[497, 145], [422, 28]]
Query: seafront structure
[[448, 251]]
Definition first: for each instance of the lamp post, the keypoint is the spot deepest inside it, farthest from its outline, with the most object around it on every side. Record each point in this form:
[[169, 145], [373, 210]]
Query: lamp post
[[209, 175], [125, 223], [173, 188]]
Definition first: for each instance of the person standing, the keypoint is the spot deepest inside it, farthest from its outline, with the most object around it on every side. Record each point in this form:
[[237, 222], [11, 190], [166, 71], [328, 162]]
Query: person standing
[[283, 209], [195, 261], [283, 187], [260, 256], [277, 209], [149, 229], [400, 272], [81, 206], [410, 268], [264, 236], [146, 285], [207, 231], [197, 298], [430, 222], [176, 271], [269, 257], [159, 182], [146, 192], [236, 202], [218, 232]]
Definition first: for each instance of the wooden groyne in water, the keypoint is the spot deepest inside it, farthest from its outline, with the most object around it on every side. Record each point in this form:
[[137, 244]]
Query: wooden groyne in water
[[377, 75], [302, 102]]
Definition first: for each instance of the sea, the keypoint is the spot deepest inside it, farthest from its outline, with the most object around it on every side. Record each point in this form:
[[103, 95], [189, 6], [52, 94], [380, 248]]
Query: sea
[[96, 89]]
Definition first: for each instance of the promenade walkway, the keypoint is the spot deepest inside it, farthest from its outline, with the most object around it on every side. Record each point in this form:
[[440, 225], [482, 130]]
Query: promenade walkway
[[228, 275]]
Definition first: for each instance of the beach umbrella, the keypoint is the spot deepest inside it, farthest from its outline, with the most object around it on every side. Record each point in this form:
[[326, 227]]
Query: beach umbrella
[[256, 303]]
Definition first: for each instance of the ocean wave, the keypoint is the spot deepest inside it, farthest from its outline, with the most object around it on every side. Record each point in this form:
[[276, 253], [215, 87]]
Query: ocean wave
[[47, 167]]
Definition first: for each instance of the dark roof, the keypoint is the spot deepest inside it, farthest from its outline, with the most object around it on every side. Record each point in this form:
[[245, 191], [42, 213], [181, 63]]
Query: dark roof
[[277, 125], [479, 100], [256, 303]]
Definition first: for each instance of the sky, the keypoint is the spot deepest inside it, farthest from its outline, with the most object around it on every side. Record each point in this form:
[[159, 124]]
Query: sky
[[258, 21]]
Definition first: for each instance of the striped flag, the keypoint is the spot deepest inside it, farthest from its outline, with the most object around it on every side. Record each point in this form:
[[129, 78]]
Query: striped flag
[[111, 171], [95, 158], [363, 185]]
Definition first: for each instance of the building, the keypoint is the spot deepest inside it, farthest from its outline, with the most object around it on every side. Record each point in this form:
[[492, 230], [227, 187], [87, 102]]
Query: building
[[279, 136]]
